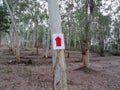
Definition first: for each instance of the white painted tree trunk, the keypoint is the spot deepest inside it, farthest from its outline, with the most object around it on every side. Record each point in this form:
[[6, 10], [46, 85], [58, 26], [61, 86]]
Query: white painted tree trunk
[[36, 34], [75, 38], [13, 39], [59, 66], [33, 44], [46, 42], [27, 38], [7, 39], [10, 36], [44, 38], [15, 31]]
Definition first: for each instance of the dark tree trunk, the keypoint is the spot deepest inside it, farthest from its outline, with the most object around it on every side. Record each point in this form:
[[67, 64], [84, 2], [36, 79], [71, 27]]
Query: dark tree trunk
[[0, 38]]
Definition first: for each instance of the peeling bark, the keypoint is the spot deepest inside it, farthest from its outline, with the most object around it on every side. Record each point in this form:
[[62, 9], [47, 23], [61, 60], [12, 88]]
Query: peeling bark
[[59, 66], [90, 4]]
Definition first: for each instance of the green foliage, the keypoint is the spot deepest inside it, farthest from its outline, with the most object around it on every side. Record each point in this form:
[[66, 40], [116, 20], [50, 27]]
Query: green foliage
[[115, 52], [115, 49], [23, 6], [73, 20], [74, 49], [4, 20], [104, 20], [118, 89], [94, 48]]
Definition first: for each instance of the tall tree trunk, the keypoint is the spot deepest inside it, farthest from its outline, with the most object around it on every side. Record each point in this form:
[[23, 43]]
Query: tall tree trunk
[[0, 37], [118, 39], [7, 39], [27, 39], [69, 37], [46, 43], [101, 48], [36, 23], [75, 39], [101, 41], [12, 46], [13, 40], [86, 40], [33, 44], [44, 38], [15, 31], [59, 66]]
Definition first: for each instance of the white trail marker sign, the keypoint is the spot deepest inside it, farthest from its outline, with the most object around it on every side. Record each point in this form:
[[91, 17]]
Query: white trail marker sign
[[58, 41]]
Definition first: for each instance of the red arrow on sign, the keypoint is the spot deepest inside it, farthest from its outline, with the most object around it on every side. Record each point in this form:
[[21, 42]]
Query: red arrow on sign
[[58, 41]]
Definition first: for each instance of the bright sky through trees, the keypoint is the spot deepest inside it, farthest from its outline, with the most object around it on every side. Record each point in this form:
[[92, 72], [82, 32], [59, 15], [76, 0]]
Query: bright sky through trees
[[110, 7]]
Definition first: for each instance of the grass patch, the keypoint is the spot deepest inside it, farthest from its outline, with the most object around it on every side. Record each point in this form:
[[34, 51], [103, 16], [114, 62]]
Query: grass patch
[[118, 89], [7, 71], [1, 88]]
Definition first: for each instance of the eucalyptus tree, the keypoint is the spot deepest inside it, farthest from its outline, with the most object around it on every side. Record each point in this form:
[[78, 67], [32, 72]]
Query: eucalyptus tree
[[12, 15], [36, 12], [116, 30], [103, 29], [70, 23], [30, 18], [79, 20], [66, 7], [46, 41], [69, 9], [17, 11], [59, 67], [86, 39], [106, 18]]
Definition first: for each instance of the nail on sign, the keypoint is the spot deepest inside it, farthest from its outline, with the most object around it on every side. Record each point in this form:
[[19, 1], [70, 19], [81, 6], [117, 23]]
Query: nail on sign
[[58, 41]]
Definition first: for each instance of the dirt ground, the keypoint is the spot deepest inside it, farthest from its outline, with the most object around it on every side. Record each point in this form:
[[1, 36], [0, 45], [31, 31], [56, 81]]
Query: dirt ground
[[104, 73]]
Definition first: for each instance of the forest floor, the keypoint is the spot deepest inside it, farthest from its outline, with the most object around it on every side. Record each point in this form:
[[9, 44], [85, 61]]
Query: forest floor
[[104, 72]]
